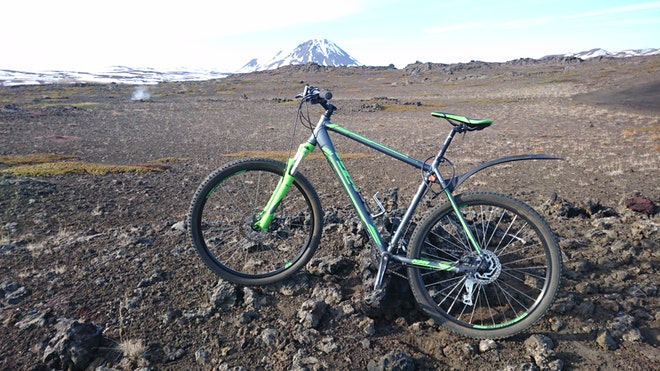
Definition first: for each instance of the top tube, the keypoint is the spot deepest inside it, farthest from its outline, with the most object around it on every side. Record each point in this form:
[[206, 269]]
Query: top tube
[[377, 146]]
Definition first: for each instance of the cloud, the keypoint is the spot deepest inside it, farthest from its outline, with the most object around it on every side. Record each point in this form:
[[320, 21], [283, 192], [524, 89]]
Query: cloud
[[535, 22], [622, 22], [457, 27], [616, 10], [192, 18], [241, 17], [515, 24], [79, 32]]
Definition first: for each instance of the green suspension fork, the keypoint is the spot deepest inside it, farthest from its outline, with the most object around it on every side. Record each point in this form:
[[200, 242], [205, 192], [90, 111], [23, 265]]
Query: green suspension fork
[[268, 214]]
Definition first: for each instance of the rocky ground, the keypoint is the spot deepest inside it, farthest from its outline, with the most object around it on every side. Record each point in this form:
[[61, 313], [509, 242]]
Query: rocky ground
[[97, 272]]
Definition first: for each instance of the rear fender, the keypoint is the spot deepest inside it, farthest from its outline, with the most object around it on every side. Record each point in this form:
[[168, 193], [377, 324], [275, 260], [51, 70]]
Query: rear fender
[[453, 183]]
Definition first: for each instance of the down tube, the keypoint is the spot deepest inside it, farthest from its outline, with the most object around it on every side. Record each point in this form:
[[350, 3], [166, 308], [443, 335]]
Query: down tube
[[351, 190]]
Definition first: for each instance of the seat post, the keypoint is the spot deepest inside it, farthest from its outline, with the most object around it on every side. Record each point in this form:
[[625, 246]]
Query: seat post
[[445, 145]]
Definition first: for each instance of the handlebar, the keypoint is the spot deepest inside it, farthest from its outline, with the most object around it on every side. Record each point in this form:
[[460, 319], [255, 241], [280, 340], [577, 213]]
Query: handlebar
[[315, 95]]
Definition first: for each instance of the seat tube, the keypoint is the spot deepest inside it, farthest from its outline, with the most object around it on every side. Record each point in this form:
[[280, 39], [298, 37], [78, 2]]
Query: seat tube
[[448, 192]]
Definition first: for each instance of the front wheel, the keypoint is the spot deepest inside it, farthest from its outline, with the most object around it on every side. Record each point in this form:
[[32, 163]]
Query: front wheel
[[519, 268], [222, 216]]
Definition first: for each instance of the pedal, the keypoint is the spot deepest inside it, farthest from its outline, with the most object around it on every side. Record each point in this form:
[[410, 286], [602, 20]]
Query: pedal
[[375, 298], [380, 206]]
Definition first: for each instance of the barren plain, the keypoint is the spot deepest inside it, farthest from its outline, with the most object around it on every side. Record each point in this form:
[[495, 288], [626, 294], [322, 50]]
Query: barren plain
[[97, 271]]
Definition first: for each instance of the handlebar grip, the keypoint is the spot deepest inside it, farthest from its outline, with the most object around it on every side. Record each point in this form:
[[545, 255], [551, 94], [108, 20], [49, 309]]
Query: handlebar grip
[[327, 95], [316, 96], [313, 93]]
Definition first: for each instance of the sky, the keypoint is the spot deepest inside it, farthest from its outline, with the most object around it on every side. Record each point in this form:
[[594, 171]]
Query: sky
[[84, 35]]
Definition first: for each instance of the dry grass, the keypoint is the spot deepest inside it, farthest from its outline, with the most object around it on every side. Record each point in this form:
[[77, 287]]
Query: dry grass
[[405, 108], [653, 129], [4, 237], [613, 169], [132, 349], [488, 100]]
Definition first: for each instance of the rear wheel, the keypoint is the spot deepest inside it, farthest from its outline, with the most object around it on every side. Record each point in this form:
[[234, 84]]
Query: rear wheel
[[519, 274], [223, 212]]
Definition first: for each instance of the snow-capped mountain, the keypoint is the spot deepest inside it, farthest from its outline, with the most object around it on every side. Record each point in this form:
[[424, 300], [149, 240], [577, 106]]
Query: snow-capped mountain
[[116, 74], [319, 51], [598, 52]]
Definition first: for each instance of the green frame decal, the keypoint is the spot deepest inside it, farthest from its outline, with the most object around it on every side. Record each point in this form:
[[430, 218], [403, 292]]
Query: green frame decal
[[440, 265], [353, 194], [461, 219]]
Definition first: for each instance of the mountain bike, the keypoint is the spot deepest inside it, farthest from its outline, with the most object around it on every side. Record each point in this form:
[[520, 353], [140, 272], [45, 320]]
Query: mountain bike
[[482, 264]]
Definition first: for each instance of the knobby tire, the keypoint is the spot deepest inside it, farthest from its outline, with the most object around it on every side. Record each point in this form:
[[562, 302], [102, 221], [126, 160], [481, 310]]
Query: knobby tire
[[222, 215], [515, 285]]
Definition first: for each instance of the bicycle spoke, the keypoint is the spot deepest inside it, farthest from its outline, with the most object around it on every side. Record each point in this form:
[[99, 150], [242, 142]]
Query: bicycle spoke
[[444, 282], [223, 214], [535, 257], [508, 294], [453, 288], [440, 252], [513, 280], [481, 293], [522, 250]]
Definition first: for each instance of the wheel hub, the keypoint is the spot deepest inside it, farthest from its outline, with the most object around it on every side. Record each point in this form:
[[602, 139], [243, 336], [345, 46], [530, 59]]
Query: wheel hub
[[490, 268]]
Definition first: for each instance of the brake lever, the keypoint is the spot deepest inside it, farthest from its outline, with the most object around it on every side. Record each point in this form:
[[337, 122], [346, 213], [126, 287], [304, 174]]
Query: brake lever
[[306, 92]]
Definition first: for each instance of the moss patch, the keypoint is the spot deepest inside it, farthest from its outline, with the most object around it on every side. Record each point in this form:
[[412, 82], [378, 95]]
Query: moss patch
[[165, 160], [46, 164], [75, 105], [78, 167], [34, 158]]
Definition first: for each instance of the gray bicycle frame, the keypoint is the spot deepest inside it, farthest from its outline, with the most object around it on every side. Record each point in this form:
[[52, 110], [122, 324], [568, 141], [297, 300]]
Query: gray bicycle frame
[[321, 138]]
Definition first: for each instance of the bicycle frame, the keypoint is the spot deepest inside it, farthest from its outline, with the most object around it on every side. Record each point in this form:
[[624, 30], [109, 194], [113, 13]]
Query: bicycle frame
[[321, 138]]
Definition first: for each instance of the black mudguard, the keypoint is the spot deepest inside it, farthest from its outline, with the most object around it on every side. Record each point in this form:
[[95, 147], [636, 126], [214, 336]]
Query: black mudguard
[[453, 183]]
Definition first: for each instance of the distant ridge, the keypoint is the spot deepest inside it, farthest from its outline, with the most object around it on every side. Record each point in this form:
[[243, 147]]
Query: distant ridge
[[598, 52], [319, 51]]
